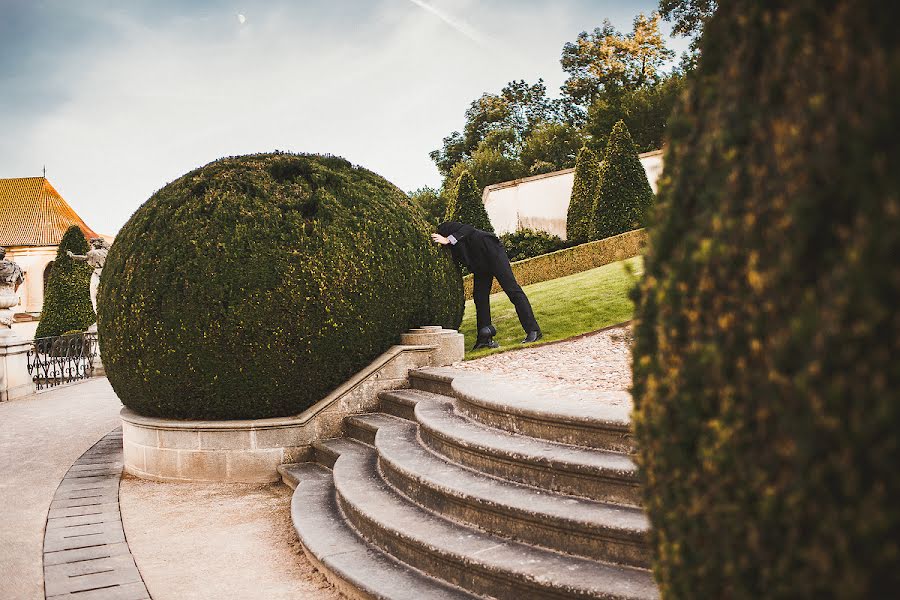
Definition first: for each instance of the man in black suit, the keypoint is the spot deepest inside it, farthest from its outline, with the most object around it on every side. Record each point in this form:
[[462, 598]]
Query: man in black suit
[[485, 256]]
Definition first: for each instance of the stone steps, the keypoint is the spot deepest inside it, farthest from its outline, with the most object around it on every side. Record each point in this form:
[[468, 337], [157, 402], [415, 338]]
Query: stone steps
[[356, 568], [452, 495], [567, 524], [599, 475], [468, 558], [603, 424]]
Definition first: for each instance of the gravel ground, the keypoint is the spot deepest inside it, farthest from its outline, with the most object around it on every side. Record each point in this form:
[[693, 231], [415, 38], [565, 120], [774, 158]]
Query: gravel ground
[[591, 363]]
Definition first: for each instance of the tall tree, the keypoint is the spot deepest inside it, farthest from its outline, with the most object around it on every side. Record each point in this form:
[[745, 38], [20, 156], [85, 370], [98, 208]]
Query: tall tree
[[767, 331], [584, 196], [466, 205], [550, 147], [624, 195], [67, 299], [431, 201], [606, 61]]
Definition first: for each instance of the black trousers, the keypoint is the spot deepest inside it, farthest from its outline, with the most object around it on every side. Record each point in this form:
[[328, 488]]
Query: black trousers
[[481, 292]]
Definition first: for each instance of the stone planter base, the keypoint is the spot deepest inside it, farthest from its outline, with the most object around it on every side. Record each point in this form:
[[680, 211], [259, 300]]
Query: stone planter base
[[250, 451]]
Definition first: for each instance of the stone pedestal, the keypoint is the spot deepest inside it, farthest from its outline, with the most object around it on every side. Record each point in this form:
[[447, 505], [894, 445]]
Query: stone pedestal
[[15, 381]]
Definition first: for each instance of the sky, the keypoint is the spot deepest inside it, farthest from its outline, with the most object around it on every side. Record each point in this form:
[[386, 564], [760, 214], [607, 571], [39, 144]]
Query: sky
[[116, 98]]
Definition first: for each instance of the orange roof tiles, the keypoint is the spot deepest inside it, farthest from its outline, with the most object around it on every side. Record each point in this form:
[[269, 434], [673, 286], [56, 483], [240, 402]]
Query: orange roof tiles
[[32, 213]]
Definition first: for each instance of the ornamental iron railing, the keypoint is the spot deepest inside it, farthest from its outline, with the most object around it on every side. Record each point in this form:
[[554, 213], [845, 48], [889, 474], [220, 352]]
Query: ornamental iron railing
[[62, 359]]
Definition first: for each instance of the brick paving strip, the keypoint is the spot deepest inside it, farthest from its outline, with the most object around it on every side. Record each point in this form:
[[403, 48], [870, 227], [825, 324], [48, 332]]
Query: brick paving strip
[[86, 555]]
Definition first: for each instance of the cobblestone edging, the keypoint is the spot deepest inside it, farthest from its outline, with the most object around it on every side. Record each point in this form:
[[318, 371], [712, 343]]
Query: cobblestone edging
[[86, 555]]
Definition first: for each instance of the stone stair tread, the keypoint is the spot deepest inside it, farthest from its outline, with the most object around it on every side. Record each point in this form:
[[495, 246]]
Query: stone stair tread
[[397, 443], [359, 485], [409, 396], [327, 536], [582, 408], [438, 416]]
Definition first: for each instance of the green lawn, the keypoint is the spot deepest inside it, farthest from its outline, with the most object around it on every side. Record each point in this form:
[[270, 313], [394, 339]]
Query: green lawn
[[564, 307]]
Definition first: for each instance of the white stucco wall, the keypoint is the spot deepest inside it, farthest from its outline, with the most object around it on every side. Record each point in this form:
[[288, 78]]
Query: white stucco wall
[[33, 260], [542, 202]]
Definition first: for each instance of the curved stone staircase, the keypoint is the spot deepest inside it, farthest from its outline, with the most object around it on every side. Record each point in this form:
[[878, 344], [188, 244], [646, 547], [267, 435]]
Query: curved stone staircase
[[467, 488]]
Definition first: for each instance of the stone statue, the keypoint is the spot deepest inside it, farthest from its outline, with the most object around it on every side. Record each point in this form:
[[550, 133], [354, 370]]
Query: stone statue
[[96, 257], [11, 276]]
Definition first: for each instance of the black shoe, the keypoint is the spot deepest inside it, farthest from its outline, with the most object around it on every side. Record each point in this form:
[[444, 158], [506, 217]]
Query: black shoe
[[485, 338], [533, 336], [485, 344]]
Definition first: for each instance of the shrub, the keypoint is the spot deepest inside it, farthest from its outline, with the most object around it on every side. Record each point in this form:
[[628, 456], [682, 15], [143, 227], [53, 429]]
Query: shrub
[[765, 357], [624, 194], [584, 196], [67, 299], [571, 260], [465, 205], [528, 243], [253, 286]]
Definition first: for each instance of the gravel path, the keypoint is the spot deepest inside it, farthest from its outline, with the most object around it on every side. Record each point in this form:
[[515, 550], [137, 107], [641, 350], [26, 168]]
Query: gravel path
[[595, 362]]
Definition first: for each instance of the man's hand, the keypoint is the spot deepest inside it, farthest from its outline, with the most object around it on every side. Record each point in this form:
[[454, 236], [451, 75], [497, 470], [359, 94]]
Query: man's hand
[[439, 239], [70, 253]]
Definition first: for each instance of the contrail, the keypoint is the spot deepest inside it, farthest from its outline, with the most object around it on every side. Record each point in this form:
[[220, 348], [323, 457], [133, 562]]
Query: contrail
[[460, 26]]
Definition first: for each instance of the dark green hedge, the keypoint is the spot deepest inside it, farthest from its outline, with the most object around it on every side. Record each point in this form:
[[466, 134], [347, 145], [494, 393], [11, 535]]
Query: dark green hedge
[[584, 196], [253, 286], [624, 195], [768, 332], [528, 243], [466, 205], [67, 296]]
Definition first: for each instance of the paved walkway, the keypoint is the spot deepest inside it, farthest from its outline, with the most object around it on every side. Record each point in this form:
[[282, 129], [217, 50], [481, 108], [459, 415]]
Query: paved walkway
[[40, 437], [189, 541]]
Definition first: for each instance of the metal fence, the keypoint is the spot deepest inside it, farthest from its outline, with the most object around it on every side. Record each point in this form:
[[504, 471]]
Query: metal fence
[[62, 359]]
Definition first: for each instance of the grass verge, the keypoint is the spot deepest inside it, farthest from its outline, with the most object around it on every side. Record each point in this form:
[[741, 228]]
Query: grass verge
[[564, 307]]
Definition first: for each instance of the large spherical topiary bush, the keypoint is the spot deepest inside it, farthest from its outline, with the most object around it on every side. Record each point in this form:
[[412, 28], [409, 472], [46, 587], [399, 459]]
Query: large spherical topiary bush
[[253, 286]]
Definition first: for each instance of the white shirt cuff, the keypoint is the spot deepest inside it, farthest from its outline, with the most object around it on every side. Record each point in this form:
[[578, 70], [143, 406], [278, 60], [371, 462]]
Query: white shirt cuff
[[452, 239]]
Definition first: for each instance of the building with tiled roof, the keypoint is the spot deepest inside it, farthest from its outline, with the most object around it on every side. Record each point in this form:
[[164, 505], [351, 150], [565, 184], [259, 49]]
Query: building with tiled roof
[[33, 219]]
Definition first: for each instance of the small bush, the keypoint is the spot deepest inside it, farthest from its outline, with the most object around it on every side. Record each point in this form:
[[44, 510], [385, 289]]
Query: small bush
[[253, 286], [466, 206], [67, 299], [624, 195], [572, 260], [584, 196], [528, 243]]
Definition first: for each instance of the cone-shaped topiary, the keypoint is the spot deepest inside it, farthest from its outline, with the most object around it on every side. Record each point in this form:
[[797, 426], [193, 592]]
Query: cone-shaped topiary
[[465, 205], [67, 299], [624, 195], [768, 333], [584, 196], [253, 286]]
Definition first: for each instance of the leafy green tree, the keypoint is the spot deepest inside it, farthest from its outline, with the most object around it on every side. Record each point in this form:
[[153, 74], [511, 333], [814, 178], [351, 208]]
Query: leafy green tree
[[431, 200], [624, 195], [584, 196], [550, 147], [767, 333], [606, 61], [687, 16], [466, 205], [67, 298], [645, 112]]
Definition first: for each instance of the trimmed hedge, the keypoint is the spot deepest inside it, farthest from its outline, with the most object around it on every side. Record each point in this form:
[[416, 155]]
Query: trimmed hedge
[[528, 243], [253, 286], [571, 260], [67, 301], [584, 196], [768, 333], [466, 205], [624, 195]]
